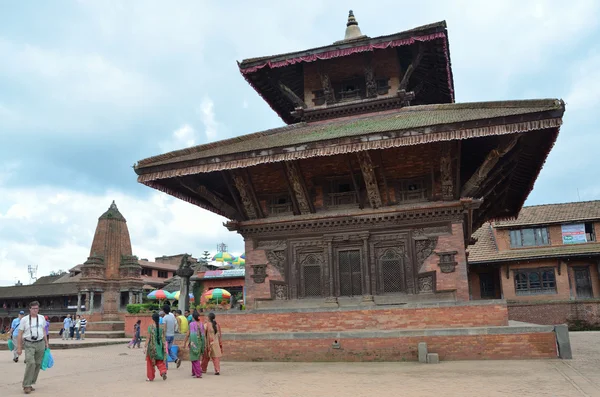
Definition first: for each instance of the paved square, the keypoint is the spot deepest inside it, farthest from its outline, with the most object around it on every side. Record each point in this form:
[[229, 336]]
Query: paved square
[[118, 371]]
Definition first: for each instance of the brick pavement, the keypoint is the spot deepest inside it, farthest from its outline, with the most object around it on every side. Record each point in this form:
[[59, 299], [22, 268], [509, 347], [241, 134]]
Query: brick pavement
[[115, 370]]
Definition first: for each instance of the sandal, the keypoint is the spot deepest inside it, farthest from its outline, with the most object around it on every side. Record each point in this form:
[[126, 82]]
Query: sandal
[[164, 376]]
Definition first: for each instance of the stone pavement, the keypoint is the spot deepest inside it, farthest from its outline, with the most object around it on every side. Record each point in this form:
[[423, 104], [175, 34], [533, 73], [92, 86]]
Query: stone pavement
[[58, 343], [118, 371]]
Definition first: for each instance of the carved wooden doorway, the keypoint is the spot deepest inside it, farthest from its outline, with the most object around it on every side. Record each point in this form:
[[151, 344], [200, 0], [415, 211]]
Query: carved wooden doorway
[[583, 282], [350, 272]]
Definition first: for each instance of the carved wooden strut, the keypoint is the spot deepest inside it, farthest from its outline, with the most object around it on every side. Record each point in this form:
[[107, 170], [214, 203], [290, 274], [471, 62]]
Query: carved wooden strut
[[368, 171]]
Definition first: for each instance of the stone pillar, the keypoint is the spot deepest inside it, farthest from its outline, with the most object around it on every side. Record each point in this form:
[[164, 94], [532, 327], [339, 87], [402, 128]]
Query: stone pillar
[[130, 297], [331, 299], [91, 300], [184, 290], [79, 302]]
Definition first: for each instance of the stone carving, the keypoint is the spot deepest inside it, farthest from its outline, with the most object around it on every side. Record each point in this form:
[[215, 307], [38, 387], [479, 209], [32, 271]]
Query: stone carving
[[424, 248], [130, 267], [447, 262], [295, 178], [327, 89], [281, 292], [185, 266], [366, 166], [276, 258], [426, 284], [244, 190], [93, 267], [422, 231], [446, 176], [259, 273], [370, 82]]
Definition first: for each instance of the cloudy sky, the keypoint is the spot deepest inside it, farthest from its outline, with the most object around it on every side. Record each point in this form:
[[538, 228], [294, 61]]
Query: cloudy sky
[[87, 88]]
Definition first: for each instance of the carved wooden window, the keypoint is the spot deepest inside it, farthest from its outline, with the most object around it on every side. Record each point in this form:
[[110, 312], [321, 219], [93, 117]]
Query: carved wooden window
[[350, 274], [383, 86], [341, 192], [535, 281], [311, 276], [392, 271], [351, 89], [412, 190], [279, 205]]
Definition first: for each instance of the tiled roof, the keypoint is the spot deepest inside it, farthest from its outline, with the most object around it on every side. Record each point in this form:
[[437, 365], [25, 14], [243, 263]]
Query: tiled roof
[[38, 290], [486, 251], [554, 213], [158, 265], [407, 118]]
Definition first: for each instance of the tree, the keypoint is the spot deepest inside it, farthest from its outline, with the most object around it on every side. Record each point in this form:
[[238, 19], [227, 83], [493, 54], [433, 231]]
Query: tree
[[59, 272], [205, 256]]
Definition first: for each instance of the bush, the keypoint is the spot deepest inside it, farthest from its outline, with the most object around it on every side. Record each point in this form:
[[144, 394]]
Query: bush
[[136, 308]]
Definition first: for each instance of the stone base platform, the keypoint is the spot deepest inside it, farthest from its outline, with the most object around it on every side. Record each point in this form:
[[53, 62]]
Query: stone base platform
[[59, 344]]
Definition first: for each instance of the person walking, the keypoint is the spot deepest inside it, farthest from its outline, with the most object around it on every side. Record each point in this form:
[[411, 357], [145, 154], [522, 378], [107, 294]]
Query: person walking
[[31, 335], [155, 350], [14, 334], [66, 327], [78, 327], [169, 322], [136, 340], [47, 328], [195, 336], [213, 349], [83, 327], [183, 323]]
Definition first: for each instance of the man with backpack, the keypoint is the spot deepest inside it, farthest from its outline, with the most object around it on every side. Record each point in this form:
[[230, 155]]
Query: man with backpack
[[14, 334]]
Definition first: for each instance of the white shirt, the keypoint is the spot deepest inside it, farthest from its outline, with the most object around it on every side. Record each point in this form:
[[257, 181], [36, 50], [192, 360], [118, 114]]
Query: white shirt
[[33, 327]]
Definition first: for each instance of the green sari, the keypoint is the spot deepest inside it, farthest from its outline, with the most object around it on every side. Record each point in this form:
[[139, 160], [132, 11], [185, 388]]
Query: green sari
[[196, 341], [155, 350]]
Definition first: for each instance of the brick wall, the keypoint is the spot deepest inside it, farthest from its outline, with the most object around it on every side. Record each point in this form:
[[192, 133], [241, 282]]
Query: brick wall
[[558, 312], [458, 279], [508, 285], [452, 316], [467, 347]]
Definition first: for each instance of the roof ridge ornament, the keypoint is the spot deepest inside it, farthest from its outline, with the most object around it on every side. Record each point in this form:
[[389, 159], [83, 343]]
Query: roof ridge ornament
[[352, 30]]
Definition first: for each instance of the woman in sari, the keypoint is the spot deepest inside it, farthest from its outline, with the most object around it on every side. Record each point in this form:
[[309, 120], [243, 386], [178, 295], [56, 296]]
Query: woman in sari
[[195, 336], [213, 349], [155, 350]]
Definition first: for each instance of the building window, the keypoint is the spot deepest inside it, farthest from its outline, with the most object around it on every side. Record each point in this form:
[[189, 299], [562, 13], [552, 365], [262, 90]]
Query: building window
[[311, 276], [342, 193], [392, 271], [411, 190], [163, 274], [280, 205], [349, 273], [535, 281], [146, 272], [529, 237], [350, 90]]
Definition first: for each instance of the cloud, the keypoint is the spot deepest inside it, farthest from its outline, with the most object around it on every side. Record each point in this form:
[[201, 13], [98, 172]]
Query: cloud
[[585, 84], [159, 225], [206, 110], [184, 136]]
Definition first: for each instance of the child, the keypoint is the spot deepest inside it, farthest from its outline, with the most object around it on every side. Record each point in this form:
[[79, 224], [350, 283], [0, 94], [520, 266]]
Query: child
[[137, 339]]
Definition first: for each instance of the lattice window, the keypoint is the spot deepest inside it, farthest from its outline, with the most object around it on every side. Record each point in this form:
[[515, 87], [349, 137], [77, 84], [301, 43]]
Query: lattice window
[[392, 271], [350, 273], [312, 280], [535, 281]]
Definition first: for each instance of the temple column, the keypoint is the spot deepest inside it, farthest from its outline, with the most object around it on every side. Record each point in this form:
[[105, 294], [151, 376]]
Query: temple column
[[130, 297], [78, 302], [367, 298], [331, 298], [91, 304]]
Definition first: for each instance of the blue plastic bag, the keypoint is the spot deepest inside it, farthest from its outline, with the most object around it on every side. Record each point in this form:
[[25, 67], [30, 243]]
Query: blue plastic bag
[[47, 360]]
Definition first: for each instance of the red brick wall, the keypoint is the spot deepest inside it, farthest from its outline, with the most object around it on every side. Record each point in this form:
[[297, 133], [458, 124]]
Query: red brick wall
[[560, 312], [468, 347], [457, 280], [508, 285], [380, 319]]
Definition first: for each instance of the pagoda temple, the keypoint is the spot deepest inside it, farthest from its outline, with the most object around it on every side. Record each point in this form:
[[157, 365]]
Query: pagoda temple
[[372, 191]]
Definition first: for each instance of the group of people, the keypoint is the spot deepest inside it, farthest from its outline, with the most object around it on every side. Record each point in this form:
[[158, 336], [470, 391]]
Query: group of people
[[74, 327], [202, 339], [27, 334]]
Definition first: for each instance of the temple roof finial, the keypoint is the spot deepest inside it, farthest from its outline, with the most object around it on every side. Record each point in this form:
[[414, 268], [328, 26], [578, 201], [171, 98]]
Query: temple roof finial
[[352, 29]]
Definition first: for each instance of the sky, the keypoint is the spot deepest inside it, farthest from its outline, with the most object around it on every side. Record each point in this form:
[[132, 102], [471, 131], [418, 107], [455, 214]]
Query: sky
[[88, 88]]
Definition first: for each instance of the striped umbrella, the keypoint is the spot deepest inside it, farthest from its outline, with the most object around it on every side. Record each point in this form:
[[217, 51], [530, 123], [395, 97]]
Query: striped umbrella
[[219, 294], [160, 294], [239, 261], [176, 296], [243, 256], [223, 257]]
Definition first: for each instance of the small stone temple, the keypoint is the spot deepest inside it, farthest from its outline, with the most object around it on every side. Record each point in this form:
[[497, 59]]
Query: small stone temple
[[111, 276], [367, 198]]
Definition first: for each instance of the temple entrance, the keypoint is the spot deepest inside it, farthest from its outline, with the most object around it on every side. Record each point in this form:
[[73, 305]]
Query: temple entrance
[[583, 283], [350, 274]]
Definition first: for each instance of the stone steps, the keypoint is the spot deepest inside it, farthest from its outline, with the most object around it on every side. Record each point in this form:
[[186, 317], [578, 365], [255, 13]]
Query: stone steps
[[95, 326], [54, 335]]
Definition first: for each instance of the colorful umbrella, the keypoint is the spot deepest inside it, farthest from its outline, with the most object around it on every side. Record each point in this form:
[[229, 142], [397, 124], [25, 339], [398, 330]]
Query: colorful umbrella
[[176, 296], [160, 294], [223, 257], [243, 256], [239, 261], [217, 293]]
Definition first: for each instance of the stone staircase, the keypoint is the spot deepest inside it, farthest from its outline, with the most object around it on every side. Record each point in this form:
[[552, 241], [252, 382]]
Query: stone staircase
[[97, 329]]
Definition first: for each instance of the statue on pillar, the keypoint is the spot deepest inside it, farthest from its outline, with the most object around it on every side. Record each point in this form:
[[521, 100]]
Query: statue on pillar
[[185, 271]]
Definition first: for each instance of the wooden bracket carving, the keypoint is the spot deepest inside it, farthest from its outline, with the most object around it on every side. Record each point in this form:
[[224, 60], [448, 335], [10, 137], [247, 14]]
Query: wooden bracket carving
[[368, 171], [247, 195], [209, 196], [447, 177], [411, 68], [291, 95], [326, 85], [474, 182], [298, 187], [447, 262], [259, 273]]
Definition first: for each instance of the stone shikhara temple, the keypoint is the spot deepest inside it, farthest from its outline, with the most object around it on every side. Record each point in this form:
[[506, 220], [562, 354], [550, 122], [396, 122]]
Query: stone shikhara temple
[[361, 208]]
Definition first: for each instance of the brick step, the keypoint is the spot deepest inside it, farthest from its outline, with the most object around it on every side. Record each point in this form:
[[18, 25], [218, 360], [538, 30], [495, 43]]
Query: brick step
[[93, 334]]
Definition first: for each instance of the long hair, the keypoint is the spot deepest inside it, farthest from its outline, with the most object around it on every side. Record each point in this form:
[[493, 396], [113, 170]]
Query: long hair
[[156, 319], [196, 315], [211, 318]]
